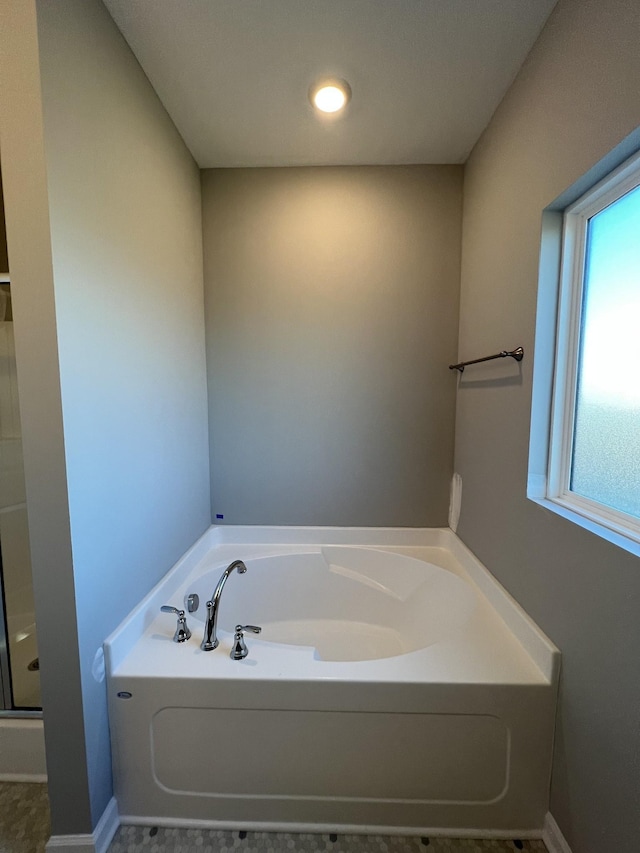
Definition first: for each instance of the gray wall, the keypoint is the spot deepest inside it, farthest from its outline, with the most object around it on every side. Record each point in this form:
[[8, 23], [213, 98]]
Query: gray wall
[[28, 234], [574, 100], [125, 233], [331, 311]]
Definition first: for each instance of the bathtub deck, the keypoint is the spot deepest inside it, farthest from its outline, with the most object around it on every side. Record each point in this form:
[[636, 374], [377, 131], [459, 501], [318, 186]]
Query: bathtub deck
[[485, 651]]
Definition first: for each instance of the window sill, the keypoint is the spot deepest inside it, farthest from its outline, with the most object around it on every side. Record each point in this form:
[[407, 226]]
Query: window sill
[[583, 518]]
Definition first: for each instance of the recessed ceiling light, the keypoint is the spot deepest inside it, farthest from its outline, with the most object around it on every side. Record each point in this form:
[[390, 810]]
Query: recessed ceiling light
[[330, 96]]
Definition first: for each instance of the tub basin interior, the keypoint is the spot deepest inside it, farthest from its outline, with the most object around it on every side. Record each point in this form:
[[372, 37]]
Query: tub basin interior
[[346, 603]]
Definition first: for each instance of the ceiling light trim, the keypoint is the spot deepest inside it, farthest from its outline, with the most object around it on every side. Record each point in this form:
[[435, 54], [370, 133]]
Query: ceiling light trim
[[325, 94]]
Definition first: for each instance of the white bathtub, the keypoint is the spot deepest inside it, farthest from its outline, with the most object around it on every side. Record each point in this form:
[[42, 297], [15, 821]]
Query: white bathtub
[[394, 687]]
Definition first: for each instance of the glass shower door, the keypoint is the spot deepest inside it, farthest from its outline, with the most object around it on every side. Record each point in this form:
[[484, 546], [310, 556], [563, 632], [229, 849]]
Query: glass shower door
[[19, 666]]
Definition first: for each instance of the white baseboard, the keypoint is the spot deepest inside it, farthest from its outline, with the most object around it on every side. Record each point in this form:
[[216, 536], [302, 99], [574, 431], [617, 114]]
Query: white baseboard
[[552, 836], [96, 842], [71, 844]]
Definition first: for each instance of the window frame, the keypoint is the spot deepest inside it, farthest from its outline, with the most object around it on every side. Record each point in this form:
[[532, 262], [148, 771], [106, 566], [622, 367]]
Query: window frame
[[555, 494]]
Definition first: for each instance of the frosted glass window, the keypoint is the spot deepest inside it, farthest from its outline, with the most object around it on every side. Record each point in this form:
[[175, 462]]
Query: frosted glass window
[[605, 465], [584, 460]]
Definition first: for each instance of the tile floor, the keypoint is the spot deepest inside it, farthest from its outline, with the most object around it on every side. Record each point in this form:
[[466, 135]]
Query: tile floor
[[137, 839], [24, 817], [24, 828]]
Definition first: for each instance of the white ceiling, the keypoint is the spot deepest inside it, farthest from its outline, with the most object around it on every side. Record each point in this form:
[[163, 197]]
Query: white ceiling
[[234, 75]]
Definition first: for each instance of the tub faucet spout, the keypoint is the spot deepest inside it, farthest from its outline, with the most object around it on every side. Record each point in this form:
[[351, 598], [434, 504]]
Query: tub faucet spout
[[210, 640]]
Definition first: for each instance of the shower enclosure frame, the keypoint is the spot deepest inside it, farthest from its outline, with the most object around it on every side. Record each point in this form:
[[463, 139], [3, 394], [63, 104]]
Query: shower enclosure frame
[[8, 709], [6, 699]]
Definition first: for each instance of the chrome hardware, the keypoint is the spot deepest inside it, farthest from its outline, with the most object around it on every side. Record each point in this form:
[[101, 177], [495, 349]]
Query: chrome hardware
[[239, 649], [192, 602], [182, 633], [210, 640]]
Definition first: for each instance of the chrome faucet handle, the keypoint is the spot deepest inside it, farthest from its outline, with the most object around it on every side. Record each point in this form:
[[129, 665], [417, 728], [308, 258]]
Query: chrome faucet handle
[[239, 648], [182, 633]]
